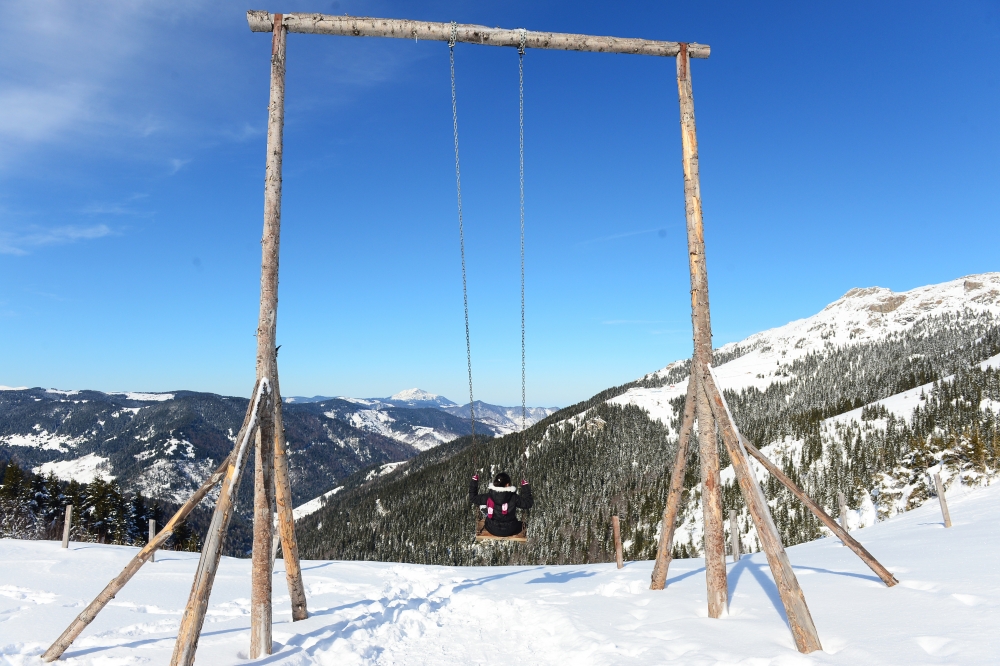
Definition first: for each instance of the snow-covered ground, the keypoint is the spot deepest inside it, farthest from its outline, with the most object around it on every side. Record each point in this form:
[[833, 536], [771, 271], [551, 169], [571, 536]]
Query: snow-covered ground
[[946, 609]]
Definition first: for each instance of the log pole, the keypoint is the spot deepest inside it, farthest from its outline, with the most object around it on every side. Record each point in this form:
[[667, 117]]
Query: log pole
[[267, 364], [667, 526], [208, 564], [734, 535], [823, 516], [942, 500], [708, 450], [67, 525], [152, 535], [360, 26], [146, 553], [286, 521], [263, 529], [843, 510], [616, 528], [799, 618]]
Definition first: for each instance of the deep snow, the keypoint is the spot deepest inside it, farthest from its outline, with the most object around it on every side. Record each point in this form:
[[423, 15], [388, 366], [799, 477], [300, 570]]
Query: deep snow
[[944, 611]]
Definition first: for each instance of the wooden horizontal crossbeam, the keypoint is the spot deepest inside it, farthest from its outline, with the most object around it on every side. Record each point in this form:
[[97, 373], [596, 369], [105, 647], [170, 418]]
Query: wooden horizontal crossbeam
[[358, 26]]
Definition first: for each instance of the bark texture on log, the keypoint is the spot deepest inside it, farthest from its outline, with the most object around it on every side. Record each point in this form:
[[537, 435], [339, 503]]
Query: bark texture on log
[[211, 552], [286, 521], [824, 517], [146, 553], [708, 450], [267, 366], [263, 528], [799, 618], [616, 528], [658, 580], [363, 26]]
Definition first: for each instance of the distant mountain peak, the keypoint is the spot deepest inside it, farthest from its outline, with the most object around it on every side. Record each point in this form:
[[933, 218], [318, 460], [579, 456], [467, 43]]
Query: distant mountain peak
[[418, 395]]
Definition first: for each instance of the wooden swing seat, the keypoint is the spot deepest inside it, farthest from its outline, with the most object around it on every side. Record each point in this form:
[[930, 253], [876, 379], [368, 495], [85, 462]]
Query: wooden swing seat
[[483, 535]]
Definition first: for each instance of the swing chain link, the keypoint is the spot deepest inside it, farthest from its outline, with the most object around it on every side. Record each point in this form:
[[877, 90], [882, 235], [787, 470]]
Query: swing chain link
[[520, 71], [461, 232]]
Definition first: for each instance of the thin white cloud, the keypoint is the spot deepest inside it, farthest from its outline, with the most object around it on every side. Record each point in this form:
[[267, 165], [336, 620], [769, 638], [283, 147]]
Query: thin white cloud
[[20, 243], [176, 165]]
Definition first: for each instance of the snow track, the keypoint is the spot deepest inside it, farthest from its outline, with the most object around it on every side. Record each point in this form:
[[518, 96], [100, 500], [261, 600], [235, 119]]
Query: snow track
[[944, 610]]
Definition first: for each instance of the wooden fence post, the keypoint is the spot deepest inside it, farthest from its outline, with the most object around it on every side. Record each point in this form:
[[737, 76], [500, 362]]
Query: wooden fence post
[[708, 449], [734, 535], [942, 500], [666, 545], [67, 523], [152, 536], [843, 510], [618, 541], [90, 612], [799, 618]]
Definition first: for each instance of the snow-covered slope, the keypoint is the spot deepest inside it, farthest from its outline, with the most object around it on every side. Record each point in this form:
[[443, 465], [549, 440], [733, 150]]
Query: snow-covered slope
[[942, 612]]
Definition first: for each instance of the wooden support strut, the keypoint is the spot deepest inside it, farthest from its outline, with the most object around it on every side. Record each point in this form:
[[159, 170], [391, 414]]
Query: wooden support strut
[[708, 449], [360, 26], [824, 517], [799, 618], [617, 533], [665, 548], [193, 619], [145, 554]]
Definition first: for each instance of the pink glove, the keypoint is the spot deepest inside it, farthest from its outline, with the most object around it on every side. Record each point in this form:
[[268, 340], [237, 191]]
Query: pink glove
[[523, 482], [475, 477]]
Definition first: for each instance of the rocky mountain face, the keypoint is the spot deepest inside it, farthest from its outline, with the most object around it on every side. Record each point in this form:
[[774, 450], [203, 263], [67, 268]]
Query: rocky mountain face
[[867, 397]]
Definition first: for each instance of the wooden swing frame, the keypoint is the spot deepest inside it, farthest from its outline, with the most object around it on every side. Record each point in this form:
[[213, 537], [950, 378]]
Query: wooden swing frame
[[263, 422]]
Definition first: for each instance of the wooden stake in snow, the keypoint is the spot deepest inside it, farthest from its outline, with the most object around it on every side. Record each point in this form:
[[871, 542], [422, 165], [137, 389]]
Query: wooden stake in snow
[[117, 583], [799, 617], [843, 510], [734, 535], [618, 541], [667, 525], [715, 541], [942, 500], [67, 523], [152, 535], [263, 524], [197, 606]]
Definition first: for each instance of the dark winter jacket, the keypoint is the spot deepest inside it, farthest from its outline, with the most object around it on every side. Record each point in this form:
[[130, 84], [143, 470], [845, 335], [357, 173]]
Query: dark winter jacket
[[500, 503]]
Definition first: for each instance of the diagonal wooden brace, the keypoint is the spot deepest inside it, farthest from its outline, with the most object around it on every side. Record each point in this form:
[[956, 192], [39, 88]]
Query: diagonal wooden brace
[[840, 532], [666, 545]]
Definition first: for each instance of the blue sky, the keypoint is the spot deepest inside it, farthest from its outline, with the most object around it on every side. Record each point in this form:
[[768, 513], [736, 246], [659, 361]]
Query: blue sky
[[842, 145]]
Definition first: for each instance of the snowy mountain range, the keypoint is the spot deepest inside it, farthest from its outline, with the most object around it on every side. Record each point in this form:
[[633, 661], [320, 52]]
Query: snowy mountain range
[[866, 397]]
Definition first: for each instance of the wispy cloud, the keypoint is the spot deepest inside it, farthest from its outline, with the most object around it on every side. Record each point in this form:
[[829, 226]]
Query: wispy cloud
[[176, 165], [659, 231], [20, 243]]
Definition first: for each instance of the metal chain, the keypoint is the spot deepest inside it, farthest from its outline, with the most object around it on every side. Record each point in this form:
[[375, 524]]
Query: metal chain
[[520, 72], [461, 228]]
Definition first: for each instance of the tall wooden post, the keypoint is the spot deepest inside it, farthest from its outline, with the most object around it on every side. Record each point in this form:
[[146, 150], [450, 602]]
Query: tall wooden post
[[665, 547], [715, 544], [67, 525], [267, 366]]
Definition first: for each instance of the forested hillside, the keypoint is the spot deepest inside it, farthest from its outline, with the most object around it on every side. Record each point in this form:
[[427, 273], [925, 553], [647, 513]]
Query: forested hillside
[[811, 394]]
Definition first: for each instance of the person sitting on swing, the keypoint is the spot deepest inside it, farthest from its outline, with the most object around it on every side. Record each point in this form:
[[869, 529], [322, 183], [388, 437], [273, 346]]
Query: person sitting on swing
[[501, 500]]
